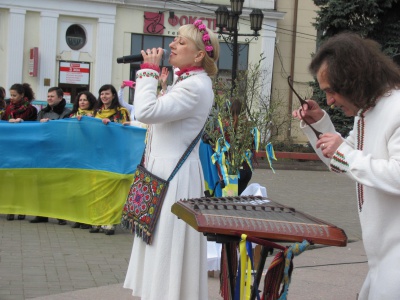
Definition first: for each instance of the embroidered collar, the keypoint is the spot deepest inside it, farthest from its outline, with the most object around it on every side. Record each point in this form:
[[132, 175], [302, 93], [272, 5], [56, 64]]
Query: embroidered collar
[[363, 111], [187, 70]]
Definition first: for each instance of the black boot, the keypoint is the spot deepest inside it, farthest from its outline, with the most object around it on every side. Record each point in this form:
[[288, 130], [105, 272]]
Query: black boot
[[10, 217], [76, 225], [85, 226], [21, 217], [62, 222], [39, 220], [95, 229]]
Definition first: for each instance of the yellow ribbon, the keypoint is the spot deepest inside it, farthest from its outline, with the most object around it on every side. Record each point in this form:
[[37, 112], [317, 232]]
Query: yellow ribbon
[[245, 283]]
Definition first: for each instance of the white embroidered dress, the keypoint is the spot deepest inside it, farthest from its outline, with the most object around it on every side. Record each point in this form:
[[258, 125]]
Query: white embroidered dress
[[174, 266], [371, 157]]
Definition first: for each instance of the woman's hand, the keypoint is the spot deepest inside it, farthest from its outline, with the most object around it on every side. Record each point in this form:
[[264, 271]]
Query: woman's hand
[[164, 78], [152, 56], [329, 143], [44, 120], [17, 120], [105, 121], [311, 112]]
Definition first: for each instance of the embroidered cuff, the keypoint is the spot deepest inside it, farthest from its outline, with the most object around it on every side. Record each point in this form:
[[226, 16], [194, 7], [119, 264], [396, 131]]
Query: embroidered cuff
[[338, 163], [147, 73], [150, 66]]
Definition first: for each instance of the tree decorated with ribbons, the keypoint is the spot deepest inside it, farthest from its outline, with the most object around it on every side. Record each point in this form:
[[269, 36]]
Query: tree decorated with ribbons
[[242, 121]]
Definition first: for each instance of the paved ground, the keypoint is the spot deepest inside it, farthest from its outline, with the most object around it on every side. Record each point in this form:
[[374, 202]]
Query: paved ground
[[52, 262]]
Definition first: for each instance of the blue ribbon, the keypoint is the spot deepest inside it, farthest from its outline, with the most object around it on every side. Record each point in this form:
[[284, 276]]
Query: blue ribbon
[[270, 155]]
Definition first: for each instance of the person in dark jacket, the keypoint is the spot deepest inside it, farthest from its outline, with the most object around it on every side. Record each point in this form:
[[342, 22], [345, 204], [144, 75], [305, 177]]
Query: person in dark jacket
[[56, 109], [56, 106]]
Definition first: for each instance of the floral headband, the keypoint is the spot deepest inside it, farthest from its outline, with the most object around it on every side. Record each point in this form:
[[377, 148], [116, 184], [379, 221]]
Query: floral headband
[[206, 38]]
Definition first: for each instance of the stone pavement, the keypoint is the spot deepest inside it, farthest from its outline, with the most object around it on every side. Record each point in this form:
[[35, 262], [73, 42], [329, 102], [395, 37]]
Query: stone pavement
[[47, 261]]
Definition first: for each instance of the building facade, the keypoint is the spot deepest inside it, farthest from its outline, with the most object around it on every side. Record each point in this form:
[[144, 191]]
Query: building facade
[[75, 44], [295, 44]]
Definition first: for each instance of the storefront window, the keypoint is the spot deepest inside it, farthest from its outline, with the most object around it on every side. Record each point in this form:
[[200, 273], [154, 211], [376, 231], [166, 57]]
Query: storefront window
[[75, 37], [140, 41]]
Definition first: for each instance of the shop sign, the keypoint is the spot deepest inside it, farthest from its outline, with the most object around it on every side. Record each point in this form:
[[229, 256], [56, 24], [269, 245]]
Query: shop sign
[[74, 72], [154, 22]]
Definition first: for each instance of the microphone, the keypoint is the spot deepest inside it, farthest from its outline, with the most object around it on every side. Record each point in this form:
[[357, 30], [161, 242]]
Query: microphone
[[137, 58]]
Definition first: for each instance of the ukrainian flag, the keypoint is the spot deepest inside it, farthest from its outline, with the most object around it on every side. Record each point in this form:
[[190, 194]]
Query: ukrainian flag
[[210, 172], [68, 169]]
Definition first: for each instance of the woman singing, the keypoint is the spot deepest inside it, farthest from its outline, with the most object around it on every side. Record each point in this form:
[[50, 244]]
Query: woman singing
[[174, 266]]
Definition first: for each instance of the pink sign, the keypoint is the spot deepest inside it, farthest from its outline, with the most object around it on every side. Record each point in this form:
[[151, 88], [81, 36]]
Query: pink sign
[[153, 23]]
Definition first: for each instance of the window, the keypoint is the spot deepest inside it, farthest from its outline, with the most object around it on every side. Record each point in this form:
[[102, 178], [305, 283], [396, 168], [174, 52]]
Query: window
[[226, 59], [224, 63], [75, 37], [140, 42]]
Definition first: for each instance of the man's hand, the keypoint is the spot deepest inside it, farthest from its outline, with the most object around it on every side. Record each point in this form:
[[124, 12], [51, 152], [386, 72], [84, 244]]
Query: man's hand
[[329, 143], [311, 112]]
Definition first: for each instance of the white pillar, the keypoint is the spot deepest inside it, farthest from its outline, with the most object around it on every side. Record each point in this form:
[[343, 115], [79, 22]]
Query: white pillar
[[104, 53], [15, 46], [268, 50], [47, 52]]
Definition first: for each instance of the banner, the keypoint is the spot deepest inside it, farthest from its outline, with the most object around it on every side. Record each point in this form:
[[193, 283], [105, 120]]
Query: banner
[[68, 169]]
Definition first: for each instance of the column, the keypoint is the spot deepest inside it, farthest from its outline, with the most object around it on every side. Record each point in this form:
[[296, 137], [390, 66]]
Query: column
[[268, 49], [104, 54], [47, 52], [15, 46]]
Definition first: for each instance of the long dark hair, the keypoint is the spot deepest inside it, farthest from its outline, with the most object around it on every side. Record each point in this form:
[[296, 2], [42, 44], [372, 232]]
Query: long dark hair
[[356, 68], [92, 101], [114, 103], [2, 97], [23, 89]]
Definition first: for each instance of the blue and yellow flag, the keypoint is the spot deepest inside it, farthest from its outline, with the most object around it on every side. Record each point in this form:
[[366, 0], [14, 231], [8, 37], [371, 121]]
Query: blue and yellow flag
[[210, 171], [68, 169]]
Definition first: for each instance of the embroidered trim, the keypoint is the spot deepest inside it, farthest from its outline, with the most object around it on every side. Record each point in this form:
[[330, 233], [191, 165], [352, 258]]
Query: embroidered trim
[[206, 38], [142, 74], [360, 146], [338, 163], [360, 196], [185, 76]]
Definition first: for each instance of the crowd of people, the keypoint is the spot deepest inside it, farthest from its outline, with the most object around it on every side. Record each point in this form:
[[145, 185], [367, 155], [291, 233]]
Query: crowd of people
[[19, 108]]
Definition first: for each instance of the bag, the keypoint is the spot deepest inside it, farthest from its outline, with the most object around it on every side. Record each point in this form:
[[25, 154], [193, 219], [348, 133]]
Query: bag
[[146, 196], [144, 203]]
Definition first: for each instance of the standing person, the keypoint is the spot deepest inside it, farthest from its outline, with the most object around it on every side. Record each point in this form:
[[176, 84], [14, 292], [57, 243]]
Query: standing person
[[109, 110], [56, 109], [2, 101], [129, 107], [359, 79], [20, 109], [56, 106], [174, 266], [83, 105], [108, 107]]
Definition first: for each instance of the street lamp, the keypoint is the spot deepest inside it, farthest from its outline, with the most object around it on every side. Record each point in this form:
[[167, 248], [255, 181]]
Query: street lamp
[[227, 23]]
